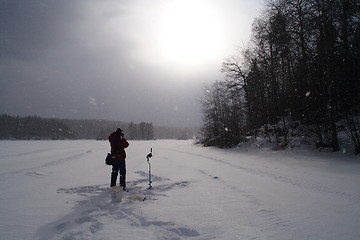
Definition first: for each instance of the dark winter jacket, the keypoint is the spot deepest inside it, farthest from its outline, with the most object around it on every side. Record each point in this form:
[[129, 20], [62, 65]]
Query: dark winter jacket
[[118, 144]]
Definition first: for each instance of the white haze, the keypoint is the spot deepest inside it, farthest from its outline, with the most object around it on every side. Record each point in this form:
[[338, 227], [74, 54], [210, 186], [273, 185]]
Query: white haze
[[108, 59]]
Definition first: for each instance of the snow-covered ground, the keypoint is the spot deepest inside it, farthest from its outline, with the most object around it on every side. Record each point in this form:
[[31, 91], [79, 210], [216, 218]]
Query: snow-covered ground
[[59, 190]]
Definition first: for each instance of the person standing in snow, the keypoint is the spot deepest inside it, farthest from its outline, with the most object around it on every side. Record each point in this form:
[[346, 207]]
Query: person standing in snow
[[118, 144]]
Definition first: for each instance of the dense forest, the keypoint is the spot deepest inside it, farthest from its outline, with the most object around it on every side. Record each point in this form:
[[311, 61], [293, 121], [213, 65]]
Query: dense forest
[[36, 128], [299, 77]]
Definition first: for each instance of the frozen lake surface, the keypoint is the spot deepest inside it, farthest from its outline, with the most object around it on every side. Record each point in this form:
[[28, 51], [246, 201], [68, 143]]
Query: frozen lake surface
[[60, 190]]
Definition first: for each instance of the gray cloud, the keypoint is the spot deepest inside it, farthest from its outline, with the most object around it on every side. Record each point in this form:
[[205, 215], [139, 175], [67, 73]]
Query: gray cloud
[[93, 59]]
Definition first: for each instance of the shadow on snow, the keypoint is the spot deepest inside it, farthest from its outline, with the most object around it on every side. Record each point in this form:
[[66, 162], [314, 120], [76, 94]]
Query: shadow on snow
[[96, 215]]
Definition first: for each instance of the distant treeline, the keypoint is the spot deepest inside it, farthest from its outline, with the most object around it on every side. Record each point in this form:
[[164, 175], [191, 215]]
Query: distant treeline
[[302, 67], [33, 128], [37, 128]]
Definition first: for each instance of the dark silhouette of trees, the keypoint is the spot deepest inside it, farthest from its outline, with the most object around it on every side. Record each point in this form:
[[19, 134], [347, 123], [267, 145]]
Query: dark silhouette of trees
[[141, 131], [33, 128], [302, 66], [223, 115]]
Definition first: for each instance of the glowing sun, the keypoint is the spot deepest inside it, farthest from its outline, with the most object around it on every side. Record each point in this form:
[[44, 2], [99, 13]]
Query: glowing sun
[[190, 32]]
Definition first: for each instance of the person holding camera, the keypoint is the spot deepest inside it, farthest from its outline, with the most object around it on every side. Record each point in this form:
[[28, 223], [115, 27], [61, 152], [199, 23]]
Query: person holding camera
[[118, 144]]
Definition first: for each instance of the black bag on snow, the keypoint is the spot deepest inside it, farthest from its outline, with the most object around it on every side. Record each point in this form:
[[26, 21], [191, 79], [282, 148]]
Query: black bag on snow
[[109, 160]]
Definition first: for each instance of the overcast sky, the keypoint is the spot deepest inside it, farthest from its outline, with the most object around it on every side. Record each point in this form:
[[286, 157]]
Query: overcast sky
[[127, 60]]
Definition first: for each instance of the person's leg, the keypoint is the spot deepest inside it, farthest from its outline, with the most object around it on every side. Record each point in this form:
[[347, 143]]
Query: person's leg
[[122, 173], [114, 174]]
